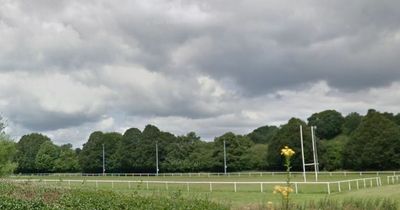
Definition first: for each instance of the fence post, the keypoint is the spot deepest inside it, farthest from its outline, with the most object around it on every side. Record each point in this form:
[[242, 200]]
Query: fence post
[[187, 186], [211, 187], [364, 183], [235, 185], [261, 187], [328, 187], [147, 185], [295, 187], [370, 182], [349, 185], [339, 187], [357, 185]]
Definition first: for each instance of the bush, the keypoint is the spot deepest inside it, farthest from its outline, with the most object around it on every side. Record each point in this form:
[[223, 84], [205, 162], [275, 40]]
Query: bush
[[29, 196]]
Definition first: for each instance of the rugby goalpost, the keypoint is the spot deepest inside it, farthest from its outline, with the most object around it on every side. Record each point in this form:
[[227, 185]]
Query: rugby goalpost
[[315, 154]]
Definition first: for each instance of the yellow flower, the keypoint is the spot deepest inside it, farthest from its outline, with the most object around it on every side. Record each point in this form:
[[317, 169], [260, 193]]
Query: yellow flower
[[287, 152], [283, 190]]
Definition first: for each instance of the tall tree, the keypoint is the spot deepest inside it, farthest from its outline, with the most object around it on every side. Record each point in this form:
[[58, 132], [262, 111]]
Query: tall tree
[[351, 122], [256, 157], [127, 150], [331, 153], [289, 135], [27, 149], [374, 145], [7, 154], [263, 135], [329, 123], [236, 147], [67, 160], [91, 156], [46, 157]]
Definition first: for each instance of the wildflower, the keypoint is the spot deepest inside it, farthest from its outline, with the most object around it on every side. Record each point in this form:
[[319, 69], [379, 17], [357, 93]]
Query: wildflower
[[287, 152], [283, 190], [270, 205]]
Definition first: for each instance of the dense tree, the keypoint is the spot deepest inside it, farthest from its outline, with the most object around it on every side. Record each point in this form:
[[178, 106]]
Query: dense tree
[[374, 145], [331, 155], [289, 135], [91, 156], [351, 122], [7, 153], [263, 135], [354, 142], [126, 152], [256, 157], [67, 160], [27, 149], [329, 123], [179, 153], [46, 157], [236, 146]]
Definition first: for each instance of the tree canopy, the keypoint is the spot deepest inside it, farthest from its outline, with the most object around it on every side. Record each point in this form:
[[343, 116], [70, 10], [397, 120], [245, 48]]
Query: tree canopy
[[353, 142]]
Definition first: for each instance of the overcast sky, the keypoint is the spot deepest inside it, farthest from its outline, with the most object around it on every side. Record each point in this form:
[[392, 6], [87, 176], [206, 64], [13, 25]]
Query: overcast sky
[[70, 67]]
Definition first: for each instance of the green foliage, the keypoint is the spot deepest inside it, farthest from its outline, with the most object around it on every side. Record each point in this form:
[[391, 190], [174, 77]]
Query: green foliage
[[329, 123], [374, 145], [28, 196], [331, 155], [351, 122], [126, 161], [349, 204], [91, 156], [289, 135], [135, 150], [263, 135], [46, 157], [256, 157], [7, 153], [67, 160], [236, 147], [27, 149]]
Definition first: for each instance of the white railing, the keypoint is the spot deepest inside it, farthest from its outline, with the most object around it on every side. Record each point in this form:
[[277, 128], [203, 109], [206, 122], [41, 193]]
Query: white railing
[[359, 183], [204, 174], [393, 179]]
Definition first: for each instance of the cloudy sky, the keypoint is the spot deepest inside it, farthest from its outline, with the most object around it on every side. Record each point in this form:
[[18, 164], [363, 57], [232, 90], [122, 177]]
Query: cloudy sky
[[70, 67]]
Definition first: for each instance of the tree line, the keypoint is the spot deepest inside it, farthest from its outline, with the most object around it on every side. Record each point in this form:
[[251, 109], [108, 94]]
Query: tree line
[[351, 142]]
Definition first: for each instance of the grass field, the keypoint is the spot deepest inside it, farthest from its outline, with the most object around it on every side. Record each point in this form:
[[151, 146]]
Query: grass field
[[246, 194]]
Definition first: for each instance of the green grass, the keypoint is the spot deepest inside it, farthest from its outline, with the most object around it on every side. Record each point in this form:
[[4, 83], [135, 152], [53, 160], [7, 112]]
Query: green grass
[[246, 196]]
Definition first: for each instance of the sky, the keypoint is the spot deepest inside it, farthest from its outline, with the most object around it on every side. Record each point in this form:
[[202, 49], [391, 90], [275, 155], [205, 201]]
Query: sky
[[71, 67]]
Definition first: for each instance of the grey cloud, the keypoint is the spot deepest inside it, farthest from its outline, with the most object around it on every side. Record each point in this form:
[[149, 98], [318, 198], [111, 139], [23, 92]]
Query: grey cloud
[[243, 51]]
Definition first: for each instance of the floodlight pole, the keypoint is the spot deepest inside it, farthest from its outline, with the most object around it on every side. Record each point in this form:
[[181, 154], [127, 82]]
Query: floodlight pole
[[104, 162], [314, 153], [225, 158], [302, 153], [157, 169]]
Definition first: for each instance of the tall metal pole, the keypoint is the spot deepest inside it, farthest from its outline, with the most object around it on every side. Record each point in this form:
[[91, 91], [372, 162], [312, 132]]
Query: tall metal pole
[[104, 162], [157, 159], [302, 153], [225, 158], [314, 154]]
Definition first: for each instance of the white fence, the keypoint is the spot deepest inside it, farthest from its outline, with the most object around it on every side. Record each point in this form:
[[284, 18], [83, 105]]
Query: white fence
[[327, 187], [393, 179], [237, 174]]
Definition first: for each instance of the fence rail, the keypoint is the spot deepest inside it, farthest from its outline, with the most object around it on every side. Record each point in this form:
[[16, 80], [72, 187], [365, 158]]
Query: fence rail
[[204, 174], [326, 187]]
